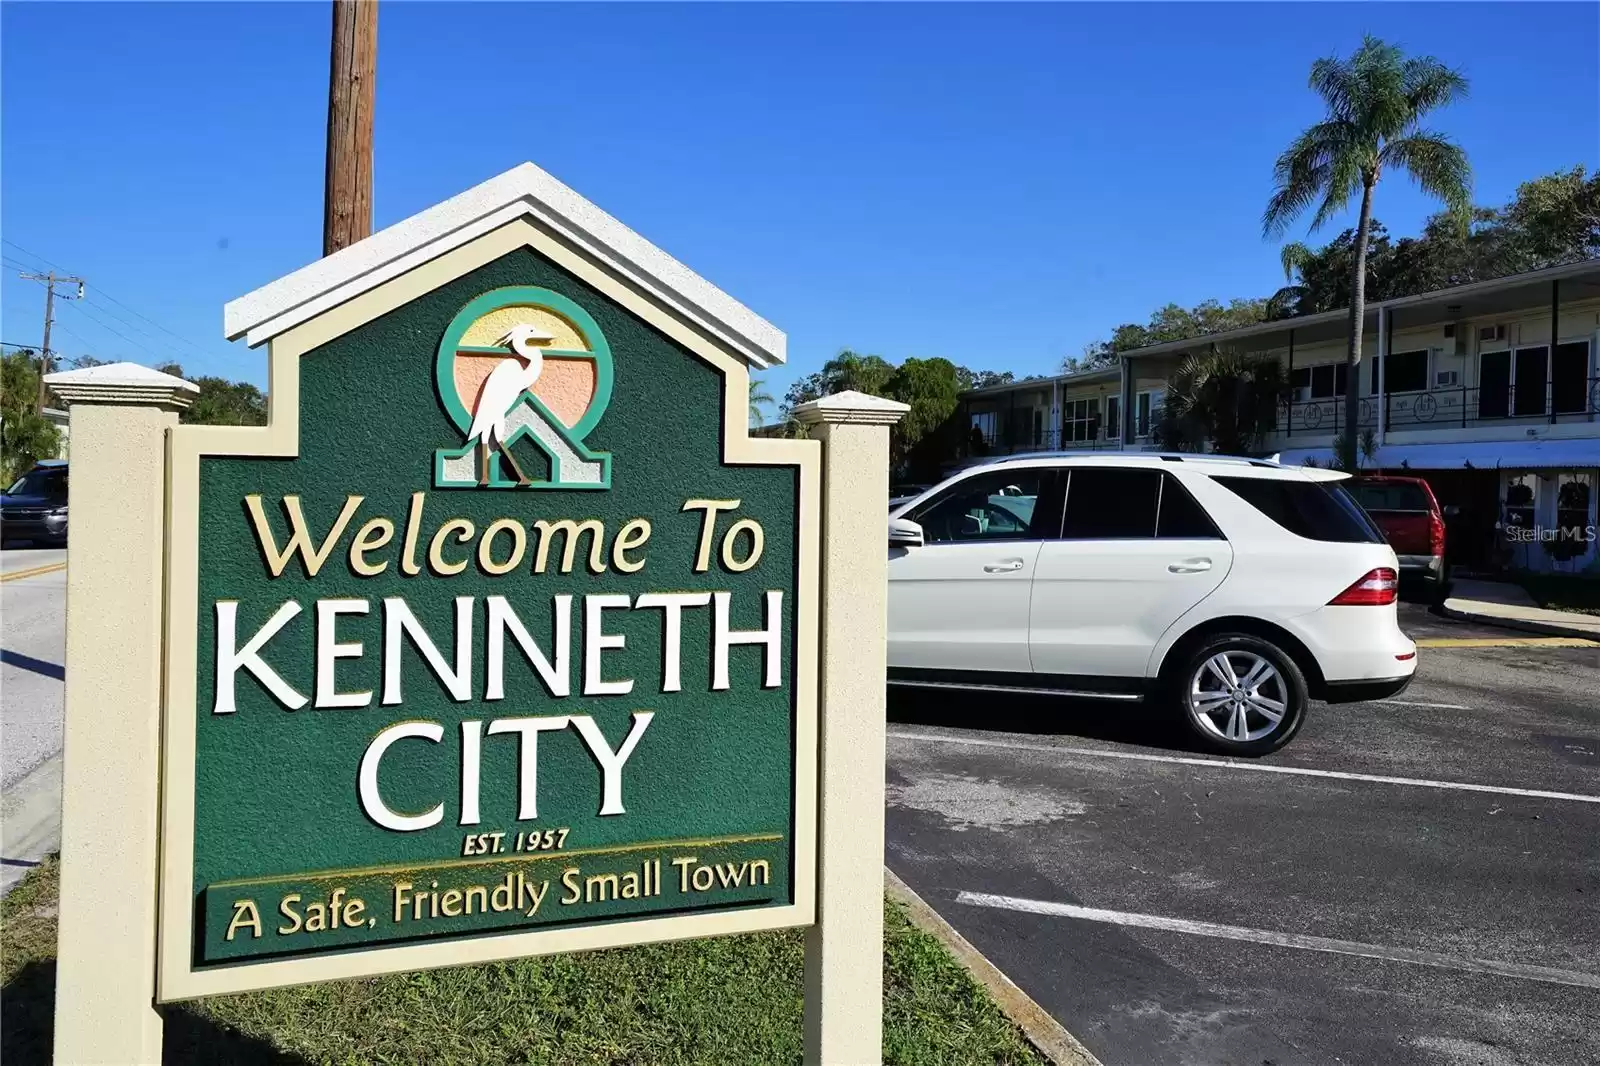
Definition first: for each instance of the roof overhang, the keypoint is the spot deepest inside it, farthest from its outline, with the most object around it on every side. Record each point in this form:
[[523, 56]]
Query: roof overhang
[[1519, 292], [524, 192], [1083, 377]]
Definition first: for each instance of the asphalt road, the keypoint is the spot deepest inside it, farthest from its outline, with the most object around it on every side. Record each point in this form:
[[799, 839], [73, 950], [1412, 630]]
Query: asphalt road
[[32, 646], [32, 651], [1342, 901]]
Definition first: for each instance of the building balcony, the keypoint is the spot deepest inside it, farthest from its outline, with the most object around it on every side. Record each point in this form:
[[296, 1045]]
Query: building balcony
[[1458, 408]]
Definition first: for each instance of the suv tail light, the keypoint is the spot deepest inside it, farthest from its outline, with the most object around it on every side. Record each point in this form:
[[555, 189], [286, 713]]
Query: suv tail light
[[1376, 588], [1435, 534]]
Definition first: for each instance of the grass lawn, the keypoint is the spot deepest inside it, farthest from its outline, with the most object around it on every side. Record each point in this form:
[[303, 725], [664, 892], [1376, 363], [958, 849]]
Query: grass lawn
[[723, 1001], [1564, 592]]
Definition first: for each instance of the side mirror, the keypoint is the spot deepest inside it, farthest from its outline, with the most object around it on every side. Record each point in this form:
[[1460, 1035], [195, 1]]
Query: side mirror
[[904, 533], [1451, 510]]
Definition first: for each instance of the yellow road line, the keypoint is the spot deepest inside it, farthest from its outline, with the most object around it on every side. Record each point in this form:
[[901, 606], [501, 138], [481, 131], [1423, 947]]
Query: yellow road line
[[1507, 642], [18, 575]]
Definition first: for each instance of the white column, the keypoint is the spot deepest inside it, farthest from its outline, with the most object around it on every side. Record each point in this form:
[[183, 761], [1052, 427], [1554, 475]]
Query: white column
[[106, 958], [844, 950], [1382, 370]]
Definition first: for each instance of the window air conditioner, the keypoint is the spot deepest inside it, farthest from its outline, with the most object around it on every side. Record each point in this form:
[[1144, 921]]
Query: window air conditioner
[[1447, 379], [1492, 333]]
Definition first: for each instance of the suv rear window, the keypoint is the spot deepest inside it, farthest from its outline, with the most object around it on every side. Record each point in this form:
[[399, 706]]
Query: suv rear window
[[1316, 510], [1391, 496]]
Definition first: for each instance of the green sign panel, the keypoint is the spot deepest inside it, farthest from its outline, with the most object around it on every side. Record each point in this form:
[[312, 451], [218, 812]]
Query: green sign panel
[[504, 646]]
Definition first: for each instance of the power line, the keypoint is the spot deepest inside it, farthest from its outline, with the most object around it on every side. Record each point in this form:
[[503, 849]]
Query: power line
[[90, 302], [33, 255], [100, 291], [115, 332]]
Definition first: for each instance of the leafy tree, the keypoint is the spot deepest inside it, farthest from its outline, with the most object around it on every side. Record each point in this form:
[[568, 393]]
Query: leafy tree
[[1376, 101], [221, 402], [983, 379], [1169, 323], [930, 387], [25, 435], [1552, 220], [929, 433], [1555, 219], [845, 372], [1225, 399]]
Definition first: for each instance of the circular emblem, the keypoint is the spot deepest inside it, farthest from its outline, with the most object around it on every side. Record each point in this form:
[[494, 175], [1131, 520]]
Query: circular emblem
[[524, 374]]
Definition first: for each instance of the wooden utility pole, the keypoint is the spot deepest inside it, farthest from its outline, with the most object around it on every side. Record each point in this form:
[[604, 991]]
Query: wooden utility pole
[[347, 198], [50, 280]]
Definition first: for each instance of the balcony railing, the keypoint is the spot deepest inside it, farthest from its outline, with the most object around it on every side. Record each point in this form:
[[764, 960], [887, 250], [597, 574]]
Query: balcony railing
[[1048, 441], [1443, 408]]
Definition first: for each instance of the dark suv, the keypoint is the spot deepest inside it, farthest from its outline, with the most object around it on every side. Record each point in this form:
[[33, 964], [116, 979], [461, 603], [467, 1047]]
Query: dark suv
[[35, 506]]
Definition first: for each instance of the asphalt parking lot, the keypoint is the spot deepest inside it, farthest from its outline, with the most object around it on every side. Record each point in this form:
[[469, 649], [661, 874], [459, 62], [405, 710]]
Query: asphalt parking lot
[[1414, 881]]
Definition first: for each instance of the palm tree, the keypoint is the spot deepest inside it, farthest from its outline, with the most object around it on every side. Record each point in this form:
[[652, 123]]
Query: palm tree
[[1222, 398], [760, 397], [1376, 100]]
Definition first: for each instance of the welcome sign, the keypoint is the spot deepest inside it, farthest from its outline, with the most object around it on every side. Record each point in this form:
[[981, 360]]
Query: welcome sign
[[501, 638]]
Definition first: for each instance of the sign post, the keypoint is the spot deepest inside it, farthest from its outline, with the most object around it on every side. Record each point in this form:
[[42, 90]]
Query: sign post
[[844, 950], [106, 955]]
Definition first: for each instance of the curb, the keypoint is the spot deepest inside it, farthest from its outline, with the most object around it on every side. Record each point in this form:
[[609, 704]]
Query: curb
[[1043, 1031], [1549, 629]]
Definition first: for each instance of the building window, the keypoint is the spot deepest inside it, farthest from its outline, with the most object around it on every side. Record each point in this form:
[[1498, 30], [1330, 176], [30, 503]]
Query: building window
[[1569, 382], [1147, 411], [1080, 419], [1521, 494], [1405, 372], [1038, 426], [1321, 382], [1113, 418], [985, 423], [1528, 381], [1574, 503]]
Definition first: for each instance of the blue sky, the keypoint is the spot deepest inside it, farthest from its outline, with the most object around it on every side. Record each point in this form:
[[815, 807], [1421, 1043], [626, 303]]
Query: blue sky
[[999, 185]]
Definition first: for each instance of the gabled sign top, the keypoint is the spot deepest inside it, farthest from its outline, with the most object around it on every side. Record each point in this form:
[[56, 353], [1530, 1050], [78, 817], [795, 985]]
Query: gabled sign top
[[527, 192]]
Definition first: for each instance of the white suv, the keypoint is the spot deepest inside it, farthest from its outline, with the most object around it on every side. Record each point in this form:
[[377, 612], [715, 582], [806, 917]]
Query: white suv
[[1237, 589]]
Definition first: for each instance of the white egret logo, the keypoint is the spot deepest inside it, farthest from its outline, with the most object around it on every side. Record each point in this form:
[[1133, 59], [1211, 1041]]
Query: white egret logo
[[501, 393], [525, 374]]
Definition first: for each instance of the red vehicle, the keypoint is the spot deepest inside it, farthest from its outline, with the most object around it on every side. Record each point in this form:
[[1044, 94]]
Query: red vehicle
[[1405, 509]]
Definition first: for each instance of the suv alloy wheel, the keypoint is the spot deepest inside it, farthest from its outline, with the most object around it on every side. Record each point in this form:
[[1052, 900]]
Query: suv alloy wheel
[[1241, 695]]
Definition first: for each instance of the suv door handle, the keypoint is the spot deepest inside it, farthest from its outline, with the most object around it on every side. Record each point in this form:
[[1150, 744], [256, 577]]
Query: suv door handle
[[1007, 567], [1190, 566]]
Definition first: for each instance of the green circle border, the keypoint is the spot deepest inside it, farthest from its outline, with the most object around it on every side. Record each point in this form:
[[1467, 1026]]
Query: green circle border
[[494, 300]]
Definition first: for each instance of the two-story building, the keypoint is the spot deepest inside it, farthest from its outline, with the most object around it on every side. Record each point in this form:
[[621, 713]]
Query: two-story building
[[1490, 391], [1081, 410]]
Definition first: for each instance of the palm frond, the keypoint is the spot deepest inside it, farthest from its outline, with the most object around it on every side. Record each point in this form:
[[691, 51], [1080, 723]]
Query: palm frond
[[1333, 80], [1303, 171], [1379, 69], [1429, 84], [1439, 167], [1344, 181], [1293, 256]]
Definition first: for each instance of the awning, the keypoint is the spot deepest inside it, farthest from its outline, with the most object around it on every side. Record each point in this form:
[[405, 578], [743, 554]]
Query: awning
[[1576, 453]]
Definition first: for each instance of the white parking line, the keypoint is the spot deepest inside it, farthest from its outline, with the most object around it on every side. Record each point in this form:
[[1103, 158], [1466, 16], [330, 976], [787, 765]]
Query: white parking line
[[1231, 764], [1434, 706], [1546, 974]]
